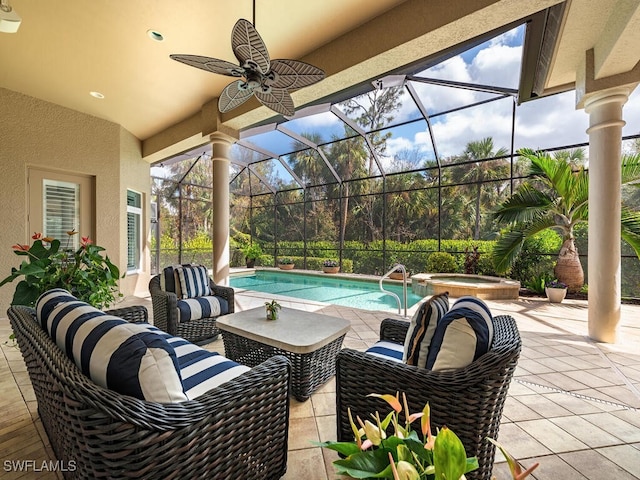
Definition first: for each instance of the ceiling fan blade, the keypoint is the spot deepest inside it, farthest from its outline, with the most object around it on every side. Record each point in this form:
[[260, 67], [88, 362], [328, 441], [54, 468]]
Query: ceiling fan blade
[[278, 100], [213, 65], [233, 96], [292, 74], [248, 45]]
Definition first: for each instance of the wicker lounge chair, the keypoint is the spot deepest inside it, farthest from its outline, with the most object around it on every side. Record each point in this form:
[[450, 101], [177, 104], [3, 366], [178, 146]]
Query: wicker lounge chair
[[468, 400], [165, 313], [236, 430]]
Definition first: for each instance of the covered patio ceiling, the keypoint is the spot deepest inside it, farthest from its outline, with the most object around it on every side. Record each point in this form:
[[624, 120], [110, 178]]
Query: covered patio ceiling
[[171, 108]]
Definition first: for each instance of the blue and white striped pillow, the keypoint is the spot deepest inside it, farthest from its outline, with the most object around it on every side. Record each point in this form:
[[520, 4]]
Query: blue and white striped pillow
[[194, 281], [202, 370], [462, 335], [421, 330], [118, 355], [201, 307]]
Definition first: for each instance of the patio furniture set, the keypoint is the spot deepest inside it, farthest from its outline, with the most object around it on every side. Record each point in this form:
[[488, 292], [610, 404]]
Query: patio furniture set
[[121, 398]]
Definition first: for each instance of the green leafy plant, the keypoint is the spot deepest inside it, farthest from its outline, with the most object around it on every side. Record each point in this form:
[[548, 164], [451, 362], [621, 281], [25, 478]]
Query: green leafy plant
[[403, 455], [537, 283], [272, 308], [252, 251], [441, 262], [84, 272], [330, 263], [285, 261]]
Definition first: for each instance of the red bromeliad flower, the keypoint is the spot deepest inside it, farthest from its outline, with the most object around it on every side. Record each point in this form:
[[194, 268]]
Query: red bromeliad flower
[[85, 241], [36, 236], [21, 248]]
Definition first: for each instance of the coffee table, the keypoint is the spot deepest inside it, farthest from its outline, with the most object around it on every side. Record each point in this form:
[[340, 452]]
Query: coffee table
[[309, 340]]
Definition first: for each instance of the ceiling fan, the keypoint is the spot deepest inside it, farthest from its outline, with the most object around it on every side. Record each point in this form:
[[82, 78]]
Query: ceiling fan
[[269, 80]]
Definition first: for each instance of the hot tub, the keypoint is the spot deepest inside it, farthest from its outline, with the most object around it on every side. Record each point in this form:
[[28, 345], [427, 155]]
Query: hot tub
[[460, 284]]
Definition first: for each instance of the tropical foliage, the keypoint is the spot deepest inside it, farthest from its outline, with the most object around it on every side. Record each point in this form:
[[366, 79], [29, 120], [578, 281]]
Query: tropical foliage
[[405, 454], [84, 272], [556, 196]]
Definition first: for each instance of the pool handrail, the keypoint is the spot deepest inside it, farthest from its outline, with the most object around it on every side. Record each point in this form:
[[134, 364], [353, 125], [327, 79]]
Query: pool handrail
[[397, 266]]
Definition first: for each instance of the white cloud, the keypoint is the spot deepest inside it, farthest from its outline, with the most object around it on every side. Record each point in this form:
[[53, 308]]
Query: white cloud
[[497, 65], [399, 144]]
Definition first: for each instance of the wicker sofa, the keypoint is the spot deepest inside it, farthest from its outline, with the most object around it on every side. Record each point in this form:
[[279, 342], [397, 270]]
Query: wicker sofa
[[165, 312], [468, 400], [236, 430]]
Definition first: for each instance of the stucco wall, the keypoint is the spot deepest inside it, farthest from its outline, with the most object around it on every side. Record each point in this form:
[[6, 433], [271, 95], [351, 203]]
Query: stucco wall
[[38, 133]]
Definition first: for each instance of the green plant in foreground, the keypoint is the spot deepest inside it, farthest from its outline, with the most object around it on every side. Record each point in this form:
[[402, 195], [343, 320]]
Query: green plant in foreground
[[403, 455], [84, 272]]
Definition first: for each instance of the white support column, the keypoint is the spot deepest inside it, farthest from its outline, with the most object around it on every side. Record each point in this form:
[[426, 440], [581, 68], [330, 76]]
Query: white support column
[[220, 145], [605, 145]]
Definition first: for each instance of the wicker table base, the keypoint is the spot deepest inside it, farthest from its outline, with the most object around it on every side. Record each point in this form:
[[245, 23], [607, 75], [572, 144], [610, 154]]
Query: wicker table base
[[310, 341]]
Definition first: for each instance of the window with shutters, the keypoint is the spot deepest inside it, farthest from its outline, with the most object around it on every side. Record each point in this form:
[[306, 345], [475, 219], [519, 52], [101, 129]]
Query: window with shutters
[[61, 211], [60, 202], [134, 228]]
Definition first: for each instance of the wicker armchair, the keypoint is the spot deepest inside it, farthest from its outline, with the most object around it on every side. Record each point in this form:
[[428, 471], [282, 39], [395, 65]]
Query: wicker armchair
[[165, 313], [236, 430], [469, 400]]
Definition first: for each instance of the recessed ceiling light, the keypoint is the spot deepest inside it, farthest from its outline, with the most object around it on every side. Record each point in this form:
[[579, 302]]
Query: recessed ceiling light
[[96, 95], [155, 35]]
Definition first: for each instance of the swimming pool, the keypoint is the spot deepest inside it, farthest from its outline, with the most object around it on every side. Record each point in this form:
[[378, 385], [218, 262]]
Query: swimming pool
[[323, 288]]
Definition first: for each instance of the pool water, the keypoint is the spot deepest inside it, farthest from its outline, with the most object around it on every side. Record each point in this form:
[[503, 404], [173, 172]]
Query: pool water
[[335, 290]]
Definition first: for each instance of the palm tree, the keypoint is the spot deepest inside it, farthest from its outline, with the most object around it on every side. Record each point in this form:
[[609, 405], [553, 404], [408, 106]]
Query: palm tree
[[477, 172], [557, 197]]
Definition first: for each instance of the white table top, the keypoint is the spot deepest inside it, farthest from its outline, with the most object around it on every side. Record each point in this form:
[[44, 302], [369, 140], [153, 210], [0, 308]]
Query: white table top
[[295, 331]]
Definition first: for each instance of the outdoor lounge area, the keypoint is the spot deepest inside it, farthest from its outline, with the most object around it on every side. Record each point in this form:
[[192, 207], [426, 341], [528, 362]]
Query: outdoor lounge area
[[473, 147], [573, 404]]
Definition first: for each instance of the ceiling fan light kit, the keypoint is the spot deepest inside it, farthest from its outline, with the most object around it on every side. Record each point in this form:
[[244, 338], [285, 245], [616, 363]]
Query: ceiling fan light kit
[[9, 20], [270, 81]]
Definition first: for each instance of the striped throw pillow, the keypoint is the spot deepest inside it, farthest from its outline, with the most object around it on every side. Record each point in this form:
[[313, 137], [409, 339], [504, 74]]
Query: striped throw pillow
[[121, 356], [194, 281], [421, 330], [462, 336]]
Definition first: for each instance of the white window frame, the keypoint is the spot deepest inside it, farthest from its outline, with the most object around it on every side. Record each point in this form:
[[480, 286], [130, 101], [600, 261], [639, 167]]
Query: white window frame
[[136, 212]]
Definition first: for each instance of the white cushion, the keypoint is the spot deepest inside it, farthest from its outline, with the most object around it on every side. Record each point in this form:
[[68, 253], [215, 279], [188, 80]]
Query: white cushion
[[462, 335]]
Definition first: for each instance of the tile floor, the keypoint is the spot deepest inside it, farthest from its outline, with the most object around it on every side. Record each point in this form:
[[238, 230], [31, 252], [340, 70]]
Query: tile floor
[[573, 406]]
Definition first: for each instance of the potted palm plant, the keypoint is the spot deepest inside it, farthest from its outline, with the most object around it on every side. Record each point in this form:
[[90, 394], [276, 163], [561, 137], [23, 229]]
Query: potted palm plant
[[556, 196]]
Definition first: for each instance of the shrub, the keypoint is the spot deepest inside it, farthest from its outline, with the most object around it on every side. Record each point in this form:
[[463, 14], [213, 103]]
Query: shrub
[[441, 262]]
